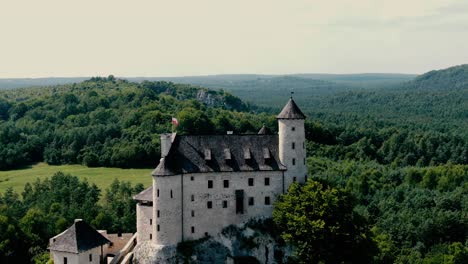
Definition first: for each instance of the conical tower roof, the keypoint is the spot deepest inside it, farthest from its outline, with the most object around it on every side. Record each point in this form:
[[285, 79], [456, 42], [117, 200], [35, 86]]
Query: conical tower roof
[[291, 111]]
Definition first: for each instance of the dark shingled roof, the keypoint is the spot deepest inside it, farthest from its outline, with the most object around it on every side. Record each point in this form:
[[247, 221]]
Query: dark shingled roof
[[77, 238], [145, 196], [264, 131], [221, 153], [291, 111]]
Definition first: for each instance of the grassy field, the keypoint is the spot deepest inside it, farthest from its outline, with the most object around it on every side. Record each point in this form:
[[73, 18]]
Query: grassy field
[[102, 177]]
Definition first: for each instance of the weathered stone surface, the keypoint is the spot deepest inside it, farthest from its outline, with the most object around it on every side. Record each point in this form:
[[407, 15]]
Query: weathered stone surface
[[236, 244]]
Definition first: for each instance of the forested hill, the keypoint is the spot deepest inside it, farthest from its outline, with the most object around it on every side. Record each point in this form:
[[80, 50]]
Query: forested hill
[[109, 122], [437, 100], [448, 79]]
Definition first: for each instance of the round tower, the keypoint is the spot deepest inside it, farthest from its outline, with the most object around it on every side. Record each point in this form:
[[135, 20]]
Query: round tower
[[292, 150]]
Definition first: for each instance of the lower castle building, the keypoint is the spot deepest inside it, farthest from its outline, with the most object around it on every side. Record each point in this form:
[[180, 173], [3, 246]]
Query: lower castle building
[[204, 183]]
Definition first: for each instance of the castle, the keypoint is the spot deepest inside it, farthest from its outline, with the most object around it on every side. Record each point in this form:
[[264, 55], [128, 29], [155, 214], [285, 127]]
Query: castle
[[206, 182]]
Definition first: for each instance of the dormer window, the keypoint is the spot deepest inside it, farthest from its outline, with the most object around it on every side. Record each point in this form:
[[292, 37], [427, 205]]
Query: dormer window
[[247, 154], [227, 154], [207, 154], [266, 153]]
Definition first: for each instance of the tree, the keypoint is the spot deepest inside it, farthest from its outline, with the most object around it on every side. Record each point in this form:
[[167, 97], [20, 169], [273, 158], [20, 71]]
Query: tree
[[319, 220]]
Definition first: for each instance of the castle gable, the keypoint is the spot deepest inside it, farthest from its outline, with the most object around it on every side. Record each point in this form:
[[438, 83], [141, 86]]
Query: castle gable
[[227, 153], [77, 238]]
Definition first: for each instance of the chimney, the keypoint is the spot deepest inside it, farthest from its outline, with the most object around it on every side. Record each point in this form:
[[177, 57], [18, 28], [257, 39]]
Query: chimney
[[166, 142], [78, 220]]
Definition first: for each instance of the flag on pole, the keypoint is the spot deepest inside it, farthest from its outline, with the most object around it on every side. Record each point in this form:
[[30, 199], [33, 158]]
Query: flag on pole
[[175, 122]]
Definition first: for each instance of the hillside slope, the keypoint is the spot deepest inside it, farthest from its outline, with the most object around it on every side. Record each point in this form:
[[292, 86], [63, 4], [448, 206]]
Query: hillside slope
[[437, 99], [109, 122]]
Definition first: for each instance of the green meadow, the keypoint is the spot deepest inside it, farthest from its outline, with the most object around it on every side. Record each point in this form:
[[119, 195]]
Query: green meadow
[[102, 177]]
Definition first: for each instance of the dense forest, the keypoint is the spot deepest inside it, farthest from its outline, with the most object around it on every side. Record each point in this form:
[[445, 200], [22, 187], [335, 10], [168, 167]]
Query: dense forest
[[109, 122], [46, 208], [399, 155]]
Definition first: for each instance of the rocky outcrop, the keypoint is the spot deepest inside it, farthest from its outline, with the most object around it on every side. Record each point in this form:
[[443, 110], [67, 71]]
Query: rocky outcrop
[[253, 242]]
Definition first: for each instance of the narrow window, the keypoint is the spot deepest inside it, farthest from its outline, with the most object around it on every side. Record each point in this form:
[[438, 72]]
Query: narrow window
[[210, 184], [157, 192], [191, 178], [209, 204], [193, 213], [90, 257], [193, 229], [267, 200], [251, 201], [239, 201], [251, 182], [267, 181], [157, 212], [293, 128], [65, 260], [293, 161], [151, 236], [293, 145], [192, 197], [294, 179], [172, 195], [226, 183], [225, 204], [306, 178], [157, 228], [151, 221]]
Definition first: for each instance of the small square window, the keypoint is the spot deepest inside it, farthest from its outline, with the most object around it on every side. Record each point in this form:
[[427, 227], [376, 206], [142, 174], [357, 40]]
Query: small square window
[[193, 229], [251, 201], [209, 204], [251, 182], [193, 213], [191, 178], [225, 204], [267, 181], [293, 128], [210, 184], [293, 161], [267, 200], [226, 183], [294, 179]]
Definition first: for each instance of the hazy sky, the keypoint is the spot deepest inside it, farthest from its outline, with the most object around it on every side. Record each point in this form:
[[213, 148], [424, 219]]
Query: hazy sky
[[41, 38]]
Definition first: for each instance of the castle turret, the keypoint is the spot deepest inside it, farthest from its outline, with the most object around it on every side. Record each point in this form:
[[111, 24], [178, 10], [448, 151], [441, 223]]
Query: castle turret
[[292, 151]]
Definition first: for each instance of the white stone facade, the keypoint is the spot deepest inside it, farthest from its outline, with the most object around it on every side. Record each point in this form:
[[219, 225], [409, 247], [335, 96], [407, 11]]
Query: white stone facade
[[292, 149], [144, 222], [91, 256]]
